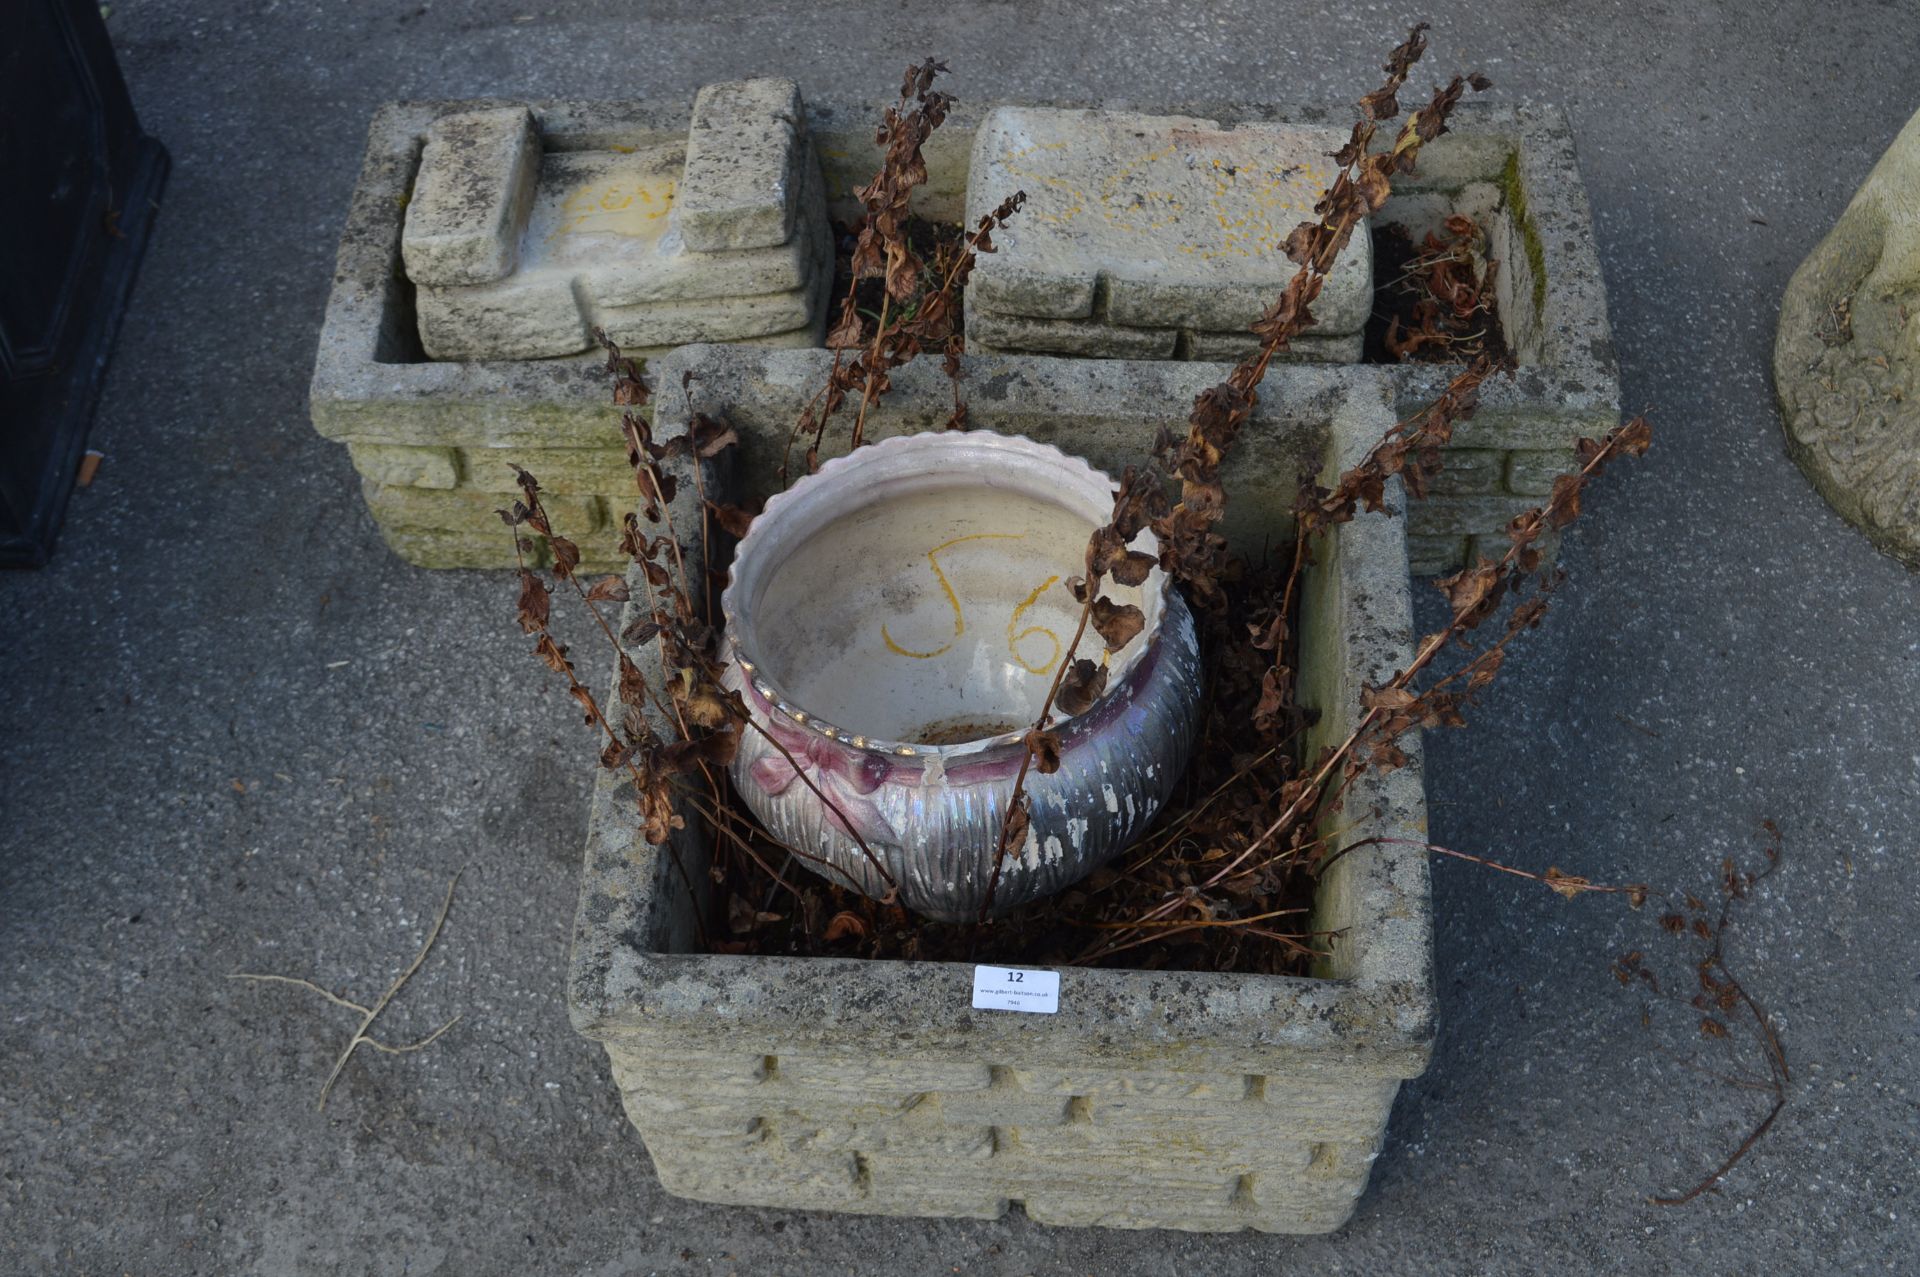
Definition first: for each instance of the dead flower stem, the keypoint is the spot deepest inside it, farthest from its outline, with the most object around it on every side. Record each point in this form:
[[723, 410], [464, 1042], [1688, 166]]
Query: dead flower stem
[[362, 1035]]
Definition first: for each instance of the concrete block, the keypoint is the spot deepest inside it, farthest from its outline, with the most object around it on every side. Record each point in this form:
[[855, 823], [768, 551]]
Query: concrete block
[[1181, 218], [602, 244], [561, 471], [1104, 410], [1492, 546], [528, 315], [800, 311], [463, 511], [1443, 516], [833, 1075], [1164, 1090], [477, 175], [822, 1182], [679, 323], [371, 383], [743, 163], [909, 1137], [1531, 473], [1422, 212], [1090, 338], [671, 271], [601, 254], [1470, 471], [606, 219], [1344, 303], [1430, 555], [1454, 160], [1511, 418], [1309, 347], [403, 467], [469, 549], [1009, 1106]]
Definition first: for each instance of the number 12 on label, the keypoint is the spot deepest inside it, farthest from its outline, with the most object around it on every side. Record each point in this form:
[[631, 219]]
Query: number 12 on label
[[1016, 989]]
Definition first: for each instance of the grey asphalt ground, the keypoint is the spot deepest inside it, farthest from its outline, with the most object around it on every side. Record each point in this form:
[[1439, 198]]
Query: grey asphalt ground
[[238, 735]]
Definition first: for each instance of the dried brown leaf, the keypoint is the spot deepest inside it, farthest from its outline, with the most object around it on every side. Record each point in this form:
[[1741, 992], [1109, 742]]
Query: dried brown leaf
[[535, 603], [1045, 748], [608, 589], [1080, 687], [1117, 623], [844, 924], [1568, 885]]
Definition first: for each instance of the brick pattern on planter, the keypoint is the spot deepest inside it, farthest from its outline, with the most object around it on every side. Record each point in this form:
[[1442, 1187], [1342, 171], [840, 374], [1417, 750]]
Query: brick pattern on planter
[[1476, 495], [1521, 180], [1088, 1146], [1188, 1100]]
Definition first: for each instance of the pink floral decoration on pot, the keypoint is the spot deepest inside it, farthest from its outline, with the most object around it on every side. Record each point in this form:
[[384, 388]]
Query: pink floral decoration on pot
[[844, 777]]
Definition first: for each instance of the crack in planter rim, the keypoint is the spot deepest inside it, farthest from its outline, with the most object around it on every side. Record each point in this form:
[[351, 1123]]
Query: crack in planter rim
[[1121, 676]]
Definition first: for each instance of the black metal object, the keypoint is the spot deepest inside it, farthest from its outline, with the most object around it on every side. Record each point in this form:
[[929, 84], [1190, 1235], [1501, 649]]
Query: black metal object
[[79, 185]]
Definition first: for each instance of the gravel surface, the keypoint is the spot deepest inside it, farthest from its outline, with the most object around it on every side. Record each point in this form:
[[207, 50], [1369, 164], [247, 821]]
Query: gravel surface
[[239, 735]]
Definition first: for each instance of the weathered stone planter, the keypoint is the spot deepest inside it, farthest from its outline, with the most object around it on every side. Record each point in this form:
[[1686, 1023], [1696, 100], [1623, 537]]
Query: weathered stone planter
[[1845, 362], [1151, 1099], [431, 439]]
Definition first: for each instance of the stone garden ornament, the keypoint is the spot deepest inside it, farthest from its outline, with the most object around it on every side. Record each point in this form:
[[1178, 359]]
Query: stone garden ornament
[[1846, 362], [894, 623]]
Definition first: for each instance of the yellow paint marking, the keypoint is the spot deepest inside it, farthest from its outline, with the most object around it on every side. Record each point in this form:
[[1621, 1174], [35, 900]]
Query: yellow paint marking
[[1013, 640], [610, 208], [953, 601]]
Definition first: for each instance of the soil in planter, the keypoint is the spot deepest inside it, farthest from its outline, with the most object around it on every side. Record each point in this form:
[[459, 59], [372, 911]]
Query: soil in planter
[[1433, 299], [1258, 920], [928, 238]]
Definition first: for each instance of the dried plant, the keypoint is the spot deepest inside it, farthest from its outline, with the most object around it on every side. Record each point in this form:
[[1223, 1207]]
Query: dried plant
[[1191, 549], [1439, 296], [1224, 878], [1720, 1010], [919, 297], [363, 1033], [1242, 849]]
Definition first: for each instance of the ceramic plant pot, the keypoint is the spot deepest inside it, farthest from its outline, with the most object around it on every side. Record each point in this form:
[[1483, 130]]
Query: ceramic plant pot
[[894, 622]]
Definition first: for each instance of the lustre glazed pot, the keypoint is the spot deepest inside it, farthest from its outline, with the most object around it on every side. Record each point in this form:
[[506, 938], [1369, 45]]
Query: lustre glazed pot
[[894, 622]]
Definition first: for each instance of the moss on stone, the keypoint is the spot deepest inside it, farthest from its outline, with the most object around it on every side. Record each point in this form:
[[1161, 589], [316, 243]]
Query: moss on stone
[[1515, 193]]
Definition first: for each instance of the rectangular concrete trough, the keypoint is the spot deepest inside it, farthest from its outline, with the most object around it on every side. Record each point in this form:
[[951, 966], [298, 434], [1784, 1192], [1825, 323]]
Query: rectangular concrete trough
[[430, 438], [1152, 1099]]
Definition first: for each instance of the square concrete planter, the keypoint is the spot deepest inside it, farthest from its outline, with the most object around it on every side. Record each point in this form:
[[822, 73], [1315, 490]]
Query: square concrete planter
[[1151, 1099], [431, 439]]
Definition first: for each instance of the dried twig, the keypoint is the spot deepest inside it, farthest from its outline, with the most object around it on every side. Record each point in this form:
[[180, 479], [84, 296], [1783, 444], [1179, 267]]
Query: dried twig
[[1720, 994], [1395, 708], [920, 299], [1563, 884], [361, 1035], [1192, 551]]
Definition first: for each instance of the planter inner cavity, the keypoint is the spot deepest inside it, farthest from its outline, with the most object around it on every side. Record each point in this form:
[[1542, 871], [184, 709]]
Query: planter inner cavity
[[895, 623]]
